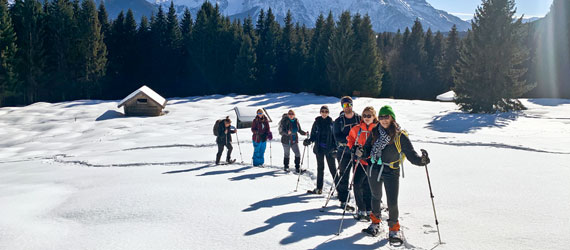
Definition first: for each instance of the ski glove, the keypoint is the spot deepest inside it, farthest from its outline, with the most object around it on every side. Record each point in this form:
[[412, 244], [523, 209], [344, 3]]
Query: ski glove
[[358, 152], [425, 157], [270, 136], [306, 142]]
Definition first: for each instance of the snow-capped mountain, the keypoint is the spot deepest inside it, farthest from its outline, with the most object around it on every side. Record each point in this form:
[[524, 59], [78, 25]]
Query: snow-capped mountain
[[386, 15]]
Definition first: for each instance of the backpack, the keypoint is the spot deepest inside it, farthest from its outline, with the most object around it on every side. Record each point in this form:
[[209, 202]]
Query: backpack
[[217, 127]]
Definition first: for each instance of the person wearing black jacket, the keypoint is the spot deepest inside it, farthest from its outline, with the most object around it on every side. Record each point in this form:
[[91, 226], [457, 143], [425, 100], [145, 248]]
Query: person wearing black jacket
[[385, 148], [325, 145], [224, 139], [341, 128]]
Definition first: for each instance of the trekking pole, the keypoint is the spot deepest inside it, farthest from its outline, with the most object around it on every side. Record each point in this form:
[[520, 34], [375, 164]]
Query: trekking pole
[[270, 154], [431, 195], [331, 191], [299, 177], [348, 198], [240, 155]]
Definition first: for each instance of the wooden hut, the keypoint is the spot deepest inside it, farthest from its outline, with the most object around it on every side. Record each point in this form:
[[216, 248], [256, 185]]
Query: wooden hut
[[143, 102]]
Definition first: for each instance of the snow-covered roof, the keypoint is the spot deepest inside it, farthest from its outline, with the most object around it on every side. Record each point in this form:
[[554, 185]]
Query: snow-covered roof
[[248, 113], [448, 96], [147, 91]]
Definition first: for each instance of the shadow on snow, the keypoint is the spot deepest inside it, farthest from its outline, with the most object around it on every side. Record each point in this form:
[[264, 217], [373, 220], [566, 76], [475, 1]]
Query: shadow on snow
[[458, 122]]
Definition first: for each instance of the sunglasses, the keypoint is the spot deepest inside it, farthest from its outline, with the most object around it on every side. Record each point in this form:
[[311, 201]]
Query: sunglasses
[[260, 113], [290, 114], [384, 117], [367, 116], [346, 105], [325, 111]]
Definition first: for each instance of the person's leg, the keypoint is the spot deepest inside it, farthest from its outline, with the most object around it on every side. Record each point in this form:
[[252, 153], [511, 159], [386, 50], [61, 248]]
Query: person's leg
[[331, 164], [358, 186], [376, 193], [229, 155], [219, 154], [255, 157], [320, 169], [295, 148], [392, 185], [344, 175], [262, 152], [286, 154]]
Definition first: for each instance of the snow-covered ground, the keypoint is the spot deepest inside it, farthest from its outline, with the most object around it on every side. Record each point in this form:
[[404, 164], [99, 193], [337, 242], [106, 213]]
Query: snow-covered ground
[[79, 175]]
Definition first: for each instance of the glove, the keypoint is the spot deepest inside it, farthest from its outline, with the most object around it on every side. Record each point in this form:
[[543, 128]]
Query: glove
[[270, 136], [425, 157], [358, 152], [306, 142]]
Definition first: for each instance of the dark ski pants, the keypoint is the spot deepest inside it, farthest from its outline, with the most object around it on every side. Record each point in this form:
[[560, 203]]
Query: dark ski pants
[[362, 193], [391, 180], [321, 167], [344, 168], [221, 150]]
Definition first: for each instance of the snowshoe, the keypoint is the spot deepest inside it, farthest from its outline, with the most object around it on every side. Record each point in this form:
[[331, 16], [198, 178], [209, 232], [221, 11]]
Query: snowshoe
[[315, 191], [372, 230], [396, 238], [300, 171], [230, 161]]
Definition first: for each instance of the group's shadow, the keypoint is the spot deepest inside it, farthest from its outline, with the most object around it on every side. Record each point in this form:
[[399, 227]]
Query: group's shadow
[[306, 224], [229, 171], [273, 173], [458, 122], [280, 201], [188, 170], [350, 243]]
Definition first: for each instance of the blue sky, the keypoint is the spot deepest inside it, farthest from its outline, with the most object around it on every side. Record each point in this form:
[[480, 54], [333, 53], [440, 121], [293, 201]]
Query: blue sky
[[465, 9]]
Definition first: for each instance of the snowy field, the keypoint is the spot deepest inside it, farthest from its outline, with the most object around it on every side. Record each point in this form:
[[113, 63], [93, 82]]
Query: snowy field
[[79, 175]]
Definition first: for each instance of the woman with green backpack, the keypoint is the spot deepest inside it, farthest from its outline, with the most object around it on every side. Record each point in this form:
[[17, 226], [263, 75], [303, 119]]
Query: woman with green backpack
[[387, 148]]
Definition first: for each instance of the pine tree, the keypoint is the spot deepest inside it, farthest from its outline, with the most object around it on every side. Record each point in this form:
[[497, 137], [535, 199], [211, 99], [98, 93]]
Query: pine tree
[[284, 75], [266, 50], [245, 70], [104, 20], [409, 80], [61, 50], [489, 72], [451, 55], [341, 57], [28, 17], [318, 52], [368, 77], [94, 51], [186, 28], [8, 50]]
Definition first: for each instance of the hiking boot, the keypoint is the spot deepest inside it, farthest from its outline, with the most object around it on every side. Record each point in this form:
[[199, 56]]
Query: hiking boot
[[315, 191], [346, 207], [361, 216], [372, 230]]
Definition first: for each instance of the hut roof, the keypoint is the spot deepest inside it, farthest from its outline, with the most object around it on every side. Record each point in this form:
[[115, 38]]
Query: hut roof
[[148, 92]]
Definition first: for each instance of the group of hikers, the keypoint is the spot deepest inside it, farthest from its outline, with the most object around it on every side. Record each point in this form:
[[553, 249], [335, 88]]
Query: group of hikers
[[372, 146]]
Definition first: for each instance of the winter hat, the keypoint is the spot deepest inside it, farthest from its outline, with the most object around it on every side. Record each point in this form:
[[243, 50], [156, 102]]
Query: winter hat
[[324, 107], [387, 110], [345, 99]]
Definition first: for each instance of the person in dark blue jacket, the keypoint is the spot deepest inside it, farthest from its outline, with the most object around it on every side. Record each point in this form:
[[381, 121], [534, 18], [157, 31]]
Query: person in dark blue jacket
[[342, 126], [325, 146]]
